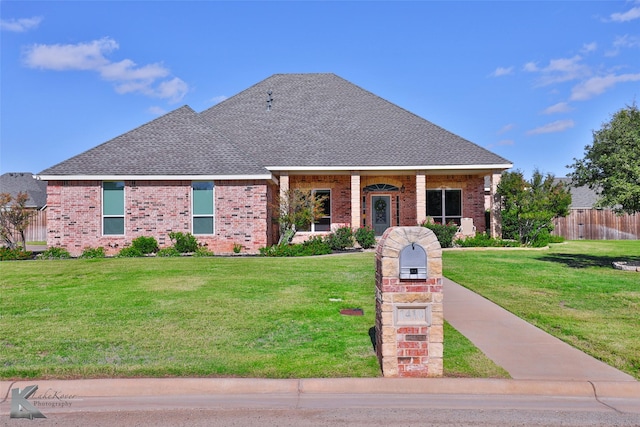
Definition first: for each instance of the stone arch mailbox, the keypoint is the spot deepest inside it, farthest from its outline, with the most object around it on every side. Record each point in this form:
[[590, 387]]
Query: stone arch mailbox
[[409, 316]]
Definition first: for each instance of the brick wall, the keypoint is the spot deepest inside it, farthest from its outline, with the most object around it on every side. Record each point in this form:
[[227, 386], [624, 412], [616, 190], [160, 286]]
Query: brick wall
[[404, 200], [155, 208], [340, 186], [403, 203], [473, 203]]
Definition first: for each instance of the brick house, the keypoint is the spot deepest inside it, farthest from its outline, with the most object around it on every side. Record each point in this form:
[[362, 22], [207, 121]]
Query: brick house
[[218, 173]]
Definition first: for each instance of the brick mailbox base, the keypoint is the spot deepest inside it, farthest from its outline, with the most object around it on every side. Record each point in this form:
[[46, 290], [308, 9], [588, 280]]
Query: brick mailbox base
[[409, 316]]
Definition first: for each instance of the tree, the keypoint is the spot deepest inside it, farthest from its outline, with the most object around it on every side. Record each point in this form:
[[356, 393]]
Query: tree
[[297, 210], [14, 218], [529, 207], [611, 164]]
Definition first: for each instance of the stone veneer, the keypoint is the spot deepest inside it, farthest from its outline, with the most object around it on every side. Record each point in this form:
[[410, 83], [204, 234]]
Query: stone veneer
[[412, 348]]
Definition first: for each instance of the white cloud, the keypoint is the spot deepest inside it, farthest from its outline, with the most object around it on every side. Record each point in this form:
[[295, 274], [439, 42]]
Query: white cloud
[[501, 71], [621, 42], [598, 85], [506, 128], [630, 15], [81, 56], [174, 89], [218, 99], [589, 47], [560, 107], [126, 75], [157, 111], [531, 67], [553, 127], [20, 25], [563, 70]]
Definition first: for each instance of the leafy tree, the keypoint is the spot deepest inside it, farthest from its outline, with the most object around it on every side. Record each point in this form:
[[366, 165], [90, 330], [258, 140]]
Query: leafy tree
[[529, 207], [14, 218], [298, 209], [611, 165]]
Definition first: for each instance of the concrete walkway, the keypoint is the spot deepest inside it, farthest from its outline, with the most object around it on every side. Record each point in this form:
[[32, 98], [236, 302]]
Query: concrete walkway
[[522, 349]]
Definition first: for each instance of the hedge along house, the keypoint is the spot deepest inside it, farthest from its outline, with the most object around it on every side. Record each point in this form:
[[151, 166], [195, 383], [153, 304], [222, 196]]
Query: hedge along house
[[218, 174]]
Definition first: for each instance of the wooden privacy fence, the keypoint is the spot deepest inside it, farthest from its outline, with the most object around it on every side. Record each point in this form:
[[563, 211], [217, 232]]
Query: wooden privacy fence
[[37, 229], [597, 224]]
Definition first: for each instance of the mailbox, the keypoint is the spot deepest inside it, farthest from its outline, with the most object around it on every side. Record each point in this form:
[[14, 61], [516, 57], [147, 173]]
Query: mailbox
[[413, 262]]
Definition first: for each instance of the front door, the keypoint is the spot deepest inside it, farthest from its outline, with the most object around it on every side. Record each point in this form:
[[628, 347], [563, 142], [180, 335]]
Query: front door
[[381, 209]]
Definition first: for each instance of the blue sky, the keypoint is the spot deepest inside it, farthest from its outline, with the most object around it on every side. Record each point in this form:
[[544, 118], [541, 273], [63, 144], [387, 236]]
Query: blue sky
[[527, 80]]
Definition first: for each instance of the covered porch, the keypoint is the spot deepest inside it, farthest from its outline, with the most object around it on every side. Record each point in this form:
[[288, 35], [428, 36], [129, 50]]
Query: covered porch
[[380, 199]]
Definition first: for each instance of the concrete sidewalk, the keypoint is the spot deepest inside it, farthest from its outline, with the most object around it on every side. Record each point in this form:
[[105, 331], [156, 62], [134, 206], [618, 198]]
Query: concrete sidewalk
[[522, 349]]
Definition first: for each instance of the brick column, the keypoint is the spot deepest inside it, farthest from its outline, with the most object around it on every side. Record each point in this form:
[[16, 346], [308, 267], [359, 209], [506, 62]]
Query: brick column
[[409, 311], [421, 197], [355, 200], [496, 216]]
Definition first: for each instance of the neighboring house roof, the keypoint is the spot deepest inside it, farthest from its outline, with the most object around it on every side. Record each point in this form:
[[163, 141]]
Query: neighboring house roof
[[24, 182], [581, 197], [285, 122]]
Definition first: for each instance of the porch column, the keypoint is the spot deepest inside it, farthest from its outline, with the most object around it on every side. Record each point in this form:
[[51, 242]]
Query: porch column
[[496, 216], [355, 200], [421, 197], [284, 185]]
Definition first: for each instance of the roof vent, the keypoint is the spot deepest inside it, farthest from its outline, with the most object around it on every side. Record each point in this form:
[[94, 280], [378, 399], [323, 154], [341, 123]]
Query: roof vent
[[269, 100]]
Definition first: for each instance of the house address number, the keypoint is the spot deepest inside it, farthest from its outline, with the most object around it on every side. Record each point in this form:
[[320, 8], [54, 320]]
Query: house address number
[[414, 315]]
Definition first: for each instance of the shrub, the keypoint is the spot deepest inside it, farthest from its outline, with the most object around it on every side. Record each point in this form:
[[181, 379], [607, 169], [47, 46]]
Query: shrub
[[542, 239], [93, 253], [366, 237], [237, 248], [203, 251], [146, 245], [168, 252], [444, 233], [55, 252], [7, 254], [130, 252], [483, 240], [314, 246], [183, 243], [556, 239], [341, 239]]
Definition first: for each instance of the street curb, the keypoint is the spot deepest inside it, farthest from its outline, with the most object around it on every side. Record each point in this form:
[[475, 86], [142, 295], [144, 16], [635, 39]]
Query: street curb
[[236, 386]]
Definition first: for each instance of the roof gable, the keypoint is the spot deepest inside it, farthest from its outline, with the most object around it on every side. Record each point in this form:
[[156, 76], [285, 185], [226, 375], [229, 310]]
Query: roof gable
[[178, 143]]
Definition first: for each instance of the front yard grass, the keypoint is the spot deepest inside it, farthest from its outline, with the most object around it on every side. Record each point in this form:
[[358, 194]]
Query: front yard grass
[[570, 290], [157, 317]]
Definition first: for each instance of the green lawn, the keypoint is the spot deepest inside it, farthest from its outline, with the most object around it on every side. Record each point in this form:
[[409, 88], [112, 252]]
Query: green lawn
[[239, 316], [569, 290]]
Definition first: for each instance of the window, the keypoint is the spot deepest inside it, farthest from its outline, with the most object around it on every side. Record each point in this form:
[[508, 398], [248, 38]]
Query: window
[[445, 206], [113, 208], [324, 222], [202, 210]]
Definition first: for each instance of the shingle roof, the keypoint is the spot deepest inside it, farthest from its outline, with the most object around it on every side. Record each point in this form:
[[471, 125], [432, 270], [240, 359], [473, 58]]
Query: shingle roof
[[324, 120], [24, 182], [581, 197], [178, 143], [286, 120]]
